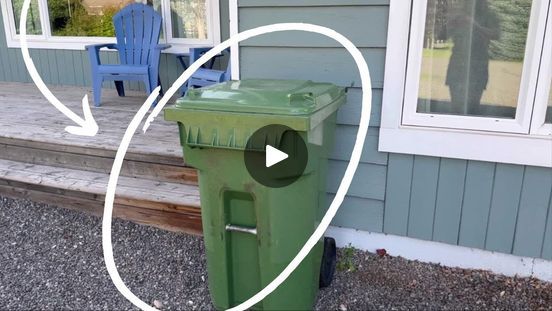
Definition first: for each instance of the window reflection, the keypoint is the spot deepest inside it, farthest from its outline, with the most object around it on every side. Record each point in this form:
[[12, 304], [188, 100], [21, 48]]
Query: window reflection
[[93, 18], [33, 17], [473, 57], [84, 18], [189, 19]]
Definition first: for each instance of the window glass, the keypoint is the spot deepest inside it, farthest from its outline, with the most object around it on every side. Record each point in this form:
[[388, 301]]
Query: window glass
[[189, 19], [473, 57], [156, 4], [86, 18], [548, 118], [33, 17]]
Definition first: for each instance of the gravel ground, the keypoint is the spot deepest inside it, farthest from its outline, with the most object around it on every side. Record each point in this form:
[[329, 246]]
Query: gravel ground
[[51, 258]]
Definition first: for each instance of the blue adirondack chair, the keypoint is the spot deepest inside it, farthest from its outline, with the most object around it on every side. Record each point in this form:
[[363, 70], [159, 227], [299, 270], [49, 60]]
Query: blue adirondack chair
[[205, 76], [137, 28]]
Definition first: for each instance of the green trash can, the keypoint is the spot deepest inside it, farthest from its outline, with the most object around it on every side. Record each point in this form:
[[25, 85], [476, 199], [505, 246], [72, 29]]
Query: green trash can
[[251, 231]]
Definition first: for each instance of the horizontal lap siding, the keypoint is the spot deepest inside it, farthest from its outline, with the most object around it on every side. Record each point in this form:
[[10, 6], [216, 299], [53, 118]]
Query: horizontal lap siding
[[321, 64], [337, 18], [296, 55], [359, 213]]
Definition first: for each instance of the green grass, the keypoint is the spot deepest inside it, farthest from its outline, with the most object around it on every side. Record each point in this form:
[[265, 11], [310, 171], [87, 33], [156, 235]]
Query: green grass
[[437, 53], [346, 262]]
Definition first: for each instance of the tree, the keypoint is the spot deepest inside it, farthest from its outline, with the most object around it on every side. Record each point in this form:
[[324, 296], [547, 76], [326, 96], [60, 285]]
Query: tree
[[33, 18], [514, 24], [70, 18]]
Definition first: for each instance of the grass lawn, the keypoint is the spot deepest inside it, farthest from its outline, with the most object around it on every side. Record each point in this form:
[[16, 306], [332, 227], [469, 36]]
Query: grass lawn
[[502, 89]]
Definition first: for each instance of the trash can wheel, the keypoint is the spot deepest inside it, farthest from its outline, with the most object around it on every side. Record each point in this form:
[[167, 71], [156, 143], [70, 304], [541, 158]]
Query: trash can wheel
[[329, 259]]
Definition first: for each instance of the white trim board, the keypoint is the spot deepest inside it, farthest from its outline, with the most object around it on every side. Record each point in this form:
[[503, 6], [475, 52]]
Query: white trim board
[[444, 254], [234, 49], [472, 145]]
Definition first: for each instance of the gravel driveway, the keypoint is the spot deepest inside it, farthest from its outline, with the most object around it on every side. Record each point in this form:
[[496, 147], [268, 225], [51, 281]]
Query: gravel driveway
[[51, 258]]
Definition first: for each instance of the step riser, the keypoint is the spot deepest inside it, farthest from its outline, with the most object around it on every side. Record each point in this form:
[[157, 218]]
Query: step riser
[[141, 203], [174, 218], [92, 150], [98, 163]]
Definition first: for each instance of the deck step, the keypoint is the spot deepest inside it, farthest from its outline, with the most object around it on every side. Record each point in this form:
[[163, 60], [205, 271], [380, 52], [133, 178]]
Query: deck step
[[41, 161], [150, 166], [172, 206]]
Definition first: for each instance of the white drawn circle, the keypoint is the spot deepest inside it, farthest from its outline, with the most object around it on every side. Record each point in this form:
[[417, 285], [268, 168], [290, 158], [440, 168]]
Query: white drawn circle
[[334, 206]]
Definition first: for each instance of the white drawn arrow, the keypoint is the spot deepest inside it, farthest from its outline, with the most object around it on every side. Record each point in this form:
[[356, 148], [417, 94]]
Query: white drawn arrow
[[86, 126]]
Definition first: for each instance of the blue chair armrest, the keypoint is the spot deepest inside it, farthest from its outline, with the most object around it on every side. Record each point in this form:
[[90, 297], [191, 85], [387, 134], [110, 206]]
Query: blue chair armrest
[[162, 46], [94, 53]]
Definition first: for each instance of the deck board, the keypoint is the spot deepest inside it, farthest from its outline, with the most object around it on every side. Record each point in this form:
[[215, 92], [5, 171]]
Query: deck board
[[26, 115]]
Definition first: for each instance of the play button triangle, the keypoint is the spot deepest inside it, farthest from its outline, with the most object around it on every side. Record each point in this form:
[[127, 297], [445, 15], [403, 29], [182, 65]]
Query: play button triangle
[[274, 156], [268, 168]]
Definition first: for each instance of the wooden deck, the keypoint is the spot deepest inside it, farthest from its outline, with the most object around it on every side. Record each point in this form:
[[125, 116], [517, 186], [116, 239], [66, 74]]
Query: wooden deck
[[28, 116], [40, 161]]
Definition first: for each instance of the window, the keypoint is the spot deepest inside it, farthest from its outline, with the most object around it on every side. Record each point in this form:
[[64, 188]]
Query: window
[[469, 79], [33, 18], [71, 24], [81, 18], [190, 17]]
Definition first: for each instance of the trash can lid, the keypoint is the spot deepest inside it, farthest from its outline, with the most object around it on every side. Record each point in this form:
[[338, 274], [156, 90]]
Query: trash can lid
[[283, 97]]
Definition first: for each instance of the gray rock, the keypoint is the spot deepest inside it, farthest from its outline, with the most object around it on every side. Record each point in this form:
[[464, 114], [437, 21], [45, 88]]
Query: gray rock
[[51, 258]]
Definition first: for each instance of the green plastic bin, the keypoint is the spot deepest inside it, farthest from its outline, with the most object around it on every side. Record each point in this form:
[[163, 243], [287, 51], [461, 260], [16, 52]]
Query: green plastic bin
[[215, 124]]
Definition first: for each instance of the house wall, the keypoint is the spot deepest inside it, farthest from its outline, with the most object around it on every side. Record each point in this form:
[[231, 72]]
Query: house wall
[[498, 207], [71, 67]]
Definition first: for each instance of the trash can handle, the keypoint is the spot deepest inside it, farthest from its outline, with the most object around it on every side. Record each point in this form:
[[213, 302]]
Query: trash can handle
[[241, 229]]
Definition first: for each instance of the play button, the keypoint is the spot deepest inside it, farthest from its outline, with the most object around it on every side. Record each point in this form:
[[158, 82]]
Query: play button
[[276, 156]]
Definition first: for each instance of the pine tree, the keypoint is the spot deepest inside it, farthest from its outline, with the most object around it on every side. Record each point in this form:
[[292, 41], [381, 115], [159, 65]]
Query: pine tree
[[514, 24]]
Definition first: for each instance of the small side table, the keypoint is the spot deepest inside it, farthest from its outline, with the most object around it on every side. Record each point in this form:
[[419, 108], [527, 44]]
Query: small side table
[[182, 59]]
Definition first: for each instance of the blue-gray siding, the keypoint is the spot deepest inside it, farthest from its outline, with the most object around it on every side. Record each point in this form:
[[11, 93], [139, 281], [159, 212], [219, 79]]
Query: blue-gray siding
[[499, 207]]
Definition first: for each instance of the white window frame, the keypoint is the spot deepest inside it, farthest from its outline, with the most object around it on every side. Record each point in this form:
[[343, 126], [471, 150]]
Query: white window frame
[[525, 140], [49, 41], [545, 83], [233, 15]]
